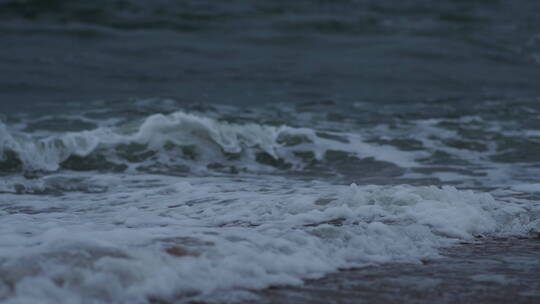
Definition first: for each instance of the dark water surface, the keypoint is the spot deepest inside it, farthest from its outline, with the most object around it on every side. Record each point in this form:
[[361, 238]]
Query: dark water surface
[[269, 151], [268, 51]]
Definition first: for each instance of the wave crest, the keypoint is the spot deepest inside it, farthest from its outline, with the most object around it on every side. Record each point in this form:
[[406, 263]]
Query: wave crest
[[179, 139]]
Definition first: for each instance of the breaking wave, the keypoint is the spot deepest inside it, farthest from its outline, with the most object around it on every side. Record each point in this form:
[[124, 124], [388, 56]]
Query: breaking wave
[[181, 142]]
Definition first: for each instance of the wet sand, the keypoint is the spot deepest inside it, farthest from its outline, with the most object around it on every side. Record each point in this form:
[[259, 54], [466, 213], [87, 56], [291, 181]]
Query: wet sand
[[495, 271]]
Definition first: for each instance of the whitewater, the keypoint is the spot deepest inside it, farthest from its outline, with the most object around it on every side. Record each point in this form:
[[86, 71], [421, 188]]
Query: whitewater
[[186, 206]]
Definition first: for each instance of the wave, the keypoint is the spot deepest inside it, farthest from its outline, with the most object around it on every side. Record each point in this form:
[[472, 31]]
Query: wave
[[182, 142], [198, 240]]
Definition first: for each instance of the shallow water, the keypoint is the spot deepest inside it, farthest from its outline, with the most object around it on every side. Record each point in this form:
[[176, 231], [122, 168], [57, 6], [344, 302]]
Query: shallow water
[[180, 152], [495, 271]]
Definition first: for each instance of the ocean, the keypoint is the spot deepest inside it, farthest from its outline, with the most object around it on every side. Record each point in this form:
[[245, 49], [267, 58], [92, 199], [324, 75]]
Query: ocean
[[269, 151]]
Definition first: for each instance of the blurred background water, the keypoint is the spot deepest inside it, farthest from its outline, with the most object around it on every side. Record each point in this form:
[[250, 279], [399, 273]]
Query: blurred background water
[[268, 51]]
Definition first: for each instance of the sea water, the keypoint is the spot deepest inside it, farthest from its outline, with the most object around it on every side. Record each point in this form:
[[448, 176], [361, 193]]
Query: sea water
[[304, 152]]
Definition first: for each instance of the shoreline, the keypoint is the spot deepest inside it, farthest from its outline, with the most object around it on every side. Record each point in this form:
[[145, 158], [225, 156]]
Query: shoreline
[[491, 271]]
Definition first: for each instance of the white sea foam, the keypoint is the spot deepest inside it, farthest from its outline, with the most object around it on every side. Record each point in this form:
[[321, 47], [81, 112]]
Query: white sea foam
[[131, 237], [209, 238]]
